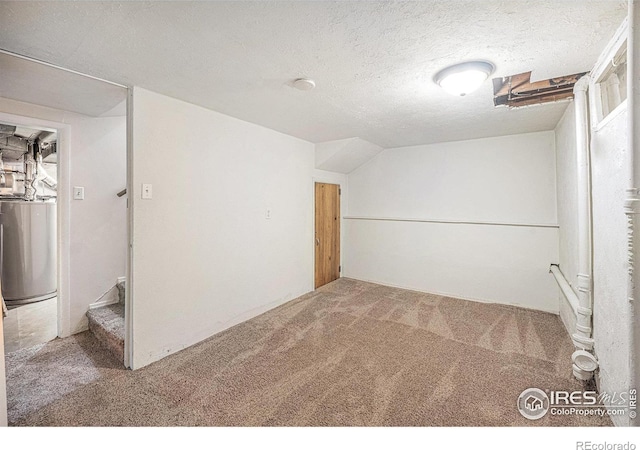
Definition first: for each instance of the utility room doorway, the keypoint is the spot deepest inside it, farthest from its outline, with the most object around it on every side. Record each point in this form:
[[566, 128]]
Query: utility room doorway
[[327, 233]]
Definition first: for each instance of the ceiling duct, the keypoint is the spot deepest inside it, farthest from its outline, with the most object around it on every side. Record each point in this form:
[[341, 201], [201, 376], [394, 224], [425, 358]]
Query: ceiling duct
[[13, 144], [7, 130], [47, 137], [47, 150], [518, 90], [16, 141]]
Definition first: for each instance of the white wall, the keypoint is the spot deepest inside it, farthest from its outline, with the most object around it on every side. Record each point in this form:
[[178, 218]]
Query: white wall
[[609, 159], [98, 223], [567, 178], [609, 172], [204, 255], [609, 179], [509, 179], [98, 236]]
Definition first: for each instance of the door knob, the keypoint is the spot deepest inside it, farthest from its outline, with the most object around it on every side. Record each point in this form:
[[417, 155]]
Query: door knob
[[317, 241]]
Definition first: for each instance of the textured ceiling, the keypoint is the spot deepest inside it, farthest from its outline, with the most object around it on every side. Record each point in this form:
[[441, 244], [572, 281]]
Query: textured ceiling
[[32, 82], [373, 62]]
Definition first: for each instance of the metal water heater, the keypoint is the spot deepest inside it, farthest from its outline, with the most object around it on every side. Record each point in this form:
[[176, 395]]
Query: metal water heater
[[27, 251]]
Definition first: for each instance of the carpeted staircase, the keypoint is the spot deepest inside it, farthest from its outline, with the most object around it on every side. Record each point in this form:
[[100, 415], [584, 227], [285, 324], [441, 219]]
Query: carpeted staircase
[[107, 324]]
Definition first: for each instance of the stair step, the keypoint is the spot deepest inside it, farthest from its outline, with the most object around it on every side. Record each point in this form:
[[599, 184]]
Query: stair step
[[107, 325]]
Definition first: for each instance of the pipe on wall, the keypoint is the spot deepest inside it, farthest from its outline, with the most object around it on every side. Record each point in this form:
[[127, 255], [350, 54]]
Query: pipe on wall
[[30, 170], [565, 287], [632, 203], [584, 363], [43, 176]]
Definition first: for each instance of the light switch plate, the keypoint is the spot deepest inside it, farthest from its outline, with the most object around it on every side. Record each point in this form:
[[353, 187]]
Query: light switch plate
[[147, 191], [78, 193]]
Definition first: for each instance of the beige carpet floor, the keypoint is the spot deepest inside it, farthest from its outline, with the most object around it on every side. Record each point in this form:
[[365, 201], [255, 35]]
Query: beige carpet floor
[[350, 353]]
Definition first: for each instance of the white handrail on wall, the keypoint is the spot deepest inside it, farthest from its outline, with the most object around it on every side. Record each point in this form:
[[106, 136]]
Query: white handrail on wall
[[456, 222]]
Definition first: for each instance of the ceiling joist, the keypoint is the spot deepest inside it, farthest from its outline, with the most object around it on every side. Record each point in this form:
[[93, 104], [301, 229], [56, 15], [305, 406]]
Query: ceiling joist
[[518, 90]]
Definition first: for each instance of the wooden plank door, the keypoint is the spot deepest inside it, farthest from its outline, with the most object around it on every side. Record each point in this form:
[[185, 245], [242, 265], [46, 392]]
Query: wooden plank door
[[327, 236]]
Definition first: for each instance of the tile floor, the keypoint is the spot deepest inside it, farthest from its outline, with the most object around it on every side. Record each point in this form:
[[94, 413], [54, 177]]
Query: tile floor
[[29, 325]]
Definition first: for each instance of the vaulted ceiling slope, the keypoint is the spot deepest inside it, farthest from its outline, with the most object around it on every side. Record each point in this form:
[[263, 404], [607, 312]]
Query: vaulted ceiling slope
[[373, 62], [41, 84]]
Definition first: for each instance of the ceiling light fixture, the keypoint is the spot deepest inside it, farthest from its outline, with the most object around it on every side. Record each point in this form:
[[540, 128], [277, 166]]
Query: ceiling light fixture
[[461, 79], [304, 84]]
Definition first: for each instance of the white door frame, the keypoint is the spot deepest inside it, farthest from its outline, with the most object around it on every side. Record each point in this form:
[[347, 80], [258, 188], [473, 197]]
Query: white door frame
[[128, 292], [63, 207]]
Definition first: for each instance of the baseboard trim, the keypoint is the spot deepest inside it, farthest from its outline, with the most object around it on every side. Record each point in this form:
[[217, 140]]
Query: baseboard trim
[[102, 303], [110, 297]]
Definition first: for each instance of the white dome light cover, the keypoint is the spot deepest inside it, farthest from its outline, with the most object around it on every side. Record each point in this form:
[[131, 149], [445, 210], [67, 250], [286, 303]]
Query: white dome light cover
[[304, 84], [461, 79]]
